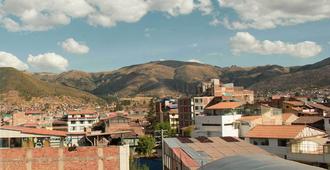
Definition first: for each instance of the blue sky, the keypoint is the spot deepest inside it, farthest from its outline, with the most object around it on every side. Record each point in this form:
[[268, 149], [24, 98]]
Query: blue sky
[[160, 35]]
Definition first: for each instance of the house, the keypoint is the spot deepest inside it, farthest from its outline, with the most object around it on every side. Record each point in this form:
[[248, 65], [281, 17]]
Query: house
[[292, 106], [327, 123], [167, 111], [218, 120], [16, 137], [245, 123], [312, 121], [189, 108], [79, 122], [192, 153], [288, 118], [276, 138], [116, 127], [216, 88], [29, 116]]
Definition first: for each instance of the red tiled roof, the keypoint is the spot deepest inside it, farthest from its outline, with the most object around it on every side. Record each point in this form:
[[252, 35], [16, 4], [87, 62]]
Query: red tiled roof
[[34, 112], [83, 112], [295, 103], [319, 106], [225, 105], [185, 158], [276, 131], [35, 131]]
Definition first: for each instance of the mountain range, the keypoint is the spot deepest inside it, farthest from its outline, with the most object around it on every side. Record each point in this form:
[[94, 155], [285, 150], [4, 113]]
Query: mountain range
[[170, 78]]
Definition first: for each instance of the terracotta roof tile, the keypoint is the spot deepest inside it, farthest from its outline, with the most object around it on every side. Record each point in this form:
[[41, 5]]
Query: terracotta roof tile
[[225, 105], [295, 103], [82, 112], [35, 131], [276, 131]]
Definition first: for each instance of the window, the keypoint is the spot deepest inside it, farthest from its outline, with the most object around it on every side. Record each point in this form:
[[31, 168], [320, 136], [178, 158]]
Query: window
[[90, 121], [196, 108], [4, 143], [259, 141], [210, 124], [81, 122], [73, 128], [282, 142], [73, 122]]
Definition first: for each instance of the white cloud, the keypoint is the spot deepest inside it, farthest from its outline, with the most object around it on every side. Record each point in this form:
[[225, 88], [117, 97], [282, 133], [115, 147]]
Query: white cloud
[[173, 7], [215, 22], [243, 42], [111, 12], [41, 15], [263, 14], [48, 62], [9, 60], [194, 61], [205, 6], [72, 46]]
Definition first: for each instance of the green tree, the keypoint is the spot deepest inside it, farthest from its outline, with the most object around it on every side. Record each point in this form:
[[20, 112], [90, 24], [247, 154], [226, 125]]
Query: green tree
[[166, 126], [146, 145]]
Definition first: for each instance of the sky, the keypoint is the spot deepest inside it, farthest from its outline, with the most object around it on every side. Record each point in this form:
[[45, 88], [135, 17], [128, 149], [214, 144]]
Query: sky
[[103, 35]]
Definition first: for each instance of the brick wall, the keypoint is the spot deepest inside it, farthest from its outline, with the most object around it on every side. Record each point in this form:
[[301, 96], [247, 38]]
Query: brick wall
[[60, 158]]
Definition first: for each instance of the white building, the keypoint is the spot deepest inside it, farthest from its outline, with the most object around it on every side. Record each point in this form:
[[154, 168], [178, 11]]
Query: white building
[[219, 120], [80, 122]]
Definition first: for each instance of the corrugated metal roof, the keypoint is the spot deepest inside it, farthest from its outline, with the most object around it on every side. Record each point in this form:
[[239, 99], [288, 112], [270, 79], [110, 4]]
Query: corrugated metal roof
[[260, 162]]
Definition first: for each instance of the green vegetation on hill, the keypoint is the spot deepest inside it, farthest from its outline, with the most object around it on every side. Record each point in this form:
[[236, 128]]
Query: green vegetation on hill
[[29, 86]]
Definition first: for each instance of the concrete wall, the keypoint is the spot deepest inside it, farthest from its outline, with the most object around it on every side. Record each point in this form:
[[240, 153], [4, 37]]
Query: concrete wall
[[327, 125], [225, 126], [273, 148], [114, 157]]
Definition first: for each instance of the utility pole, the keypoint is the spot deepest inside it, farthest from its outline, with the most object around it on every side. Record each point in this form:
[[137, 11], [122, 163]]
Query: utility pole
[[162, 137], [162, 144]]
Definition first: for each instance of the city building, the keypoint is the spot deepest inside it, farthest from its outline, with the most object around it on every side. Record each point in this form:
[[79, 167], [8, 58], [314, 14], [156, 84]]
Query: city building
[[312, 121], [167, 111], [276, 139], [31, 116], [219, 120], [118, 126], [192, 153], [216, 88], [190, 107], [80, 122]]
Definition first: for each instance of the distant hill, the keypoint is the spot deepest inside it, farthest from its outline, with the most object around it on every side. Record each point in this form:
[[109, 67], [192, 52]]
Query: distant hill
[[164, 78], [29, 86]]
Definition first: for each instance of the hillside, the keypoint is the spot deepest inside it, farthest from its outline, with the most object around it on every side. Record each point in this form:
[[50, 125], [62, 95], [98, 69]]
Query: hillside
[[164, 78], [155, 79], [29, 86]]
